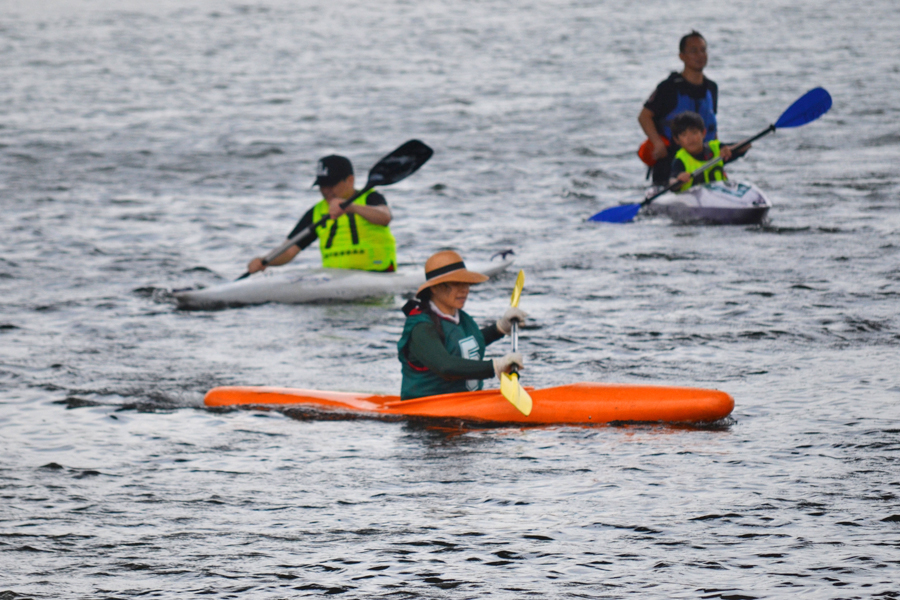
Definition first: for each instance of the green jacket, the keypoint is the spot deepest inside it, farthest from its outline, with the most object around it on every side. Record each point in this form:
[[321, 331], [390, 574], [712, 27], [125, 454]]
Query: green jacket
[[464, 369]]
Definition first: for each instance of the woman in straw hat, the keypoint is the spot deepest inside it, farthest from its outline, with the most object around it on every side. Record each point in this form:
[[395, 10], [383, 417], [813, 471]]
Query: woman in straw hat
[[442, 349]]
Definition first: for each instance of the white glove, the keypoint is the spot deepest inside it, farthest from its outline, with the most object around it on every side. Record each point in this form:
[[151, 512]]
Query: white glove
[[504, 323], [503, 365]]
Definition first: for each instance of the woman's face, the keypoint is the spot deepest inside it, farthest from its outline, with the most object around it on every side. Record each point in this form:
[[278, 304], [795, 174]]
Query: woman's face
[[450, 297]]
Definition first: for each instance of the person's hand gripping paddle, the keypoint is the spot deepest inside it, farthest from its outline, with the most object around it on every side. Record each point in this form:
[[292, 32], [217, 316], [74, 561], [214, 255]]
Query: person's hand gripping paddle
[[510, 387]]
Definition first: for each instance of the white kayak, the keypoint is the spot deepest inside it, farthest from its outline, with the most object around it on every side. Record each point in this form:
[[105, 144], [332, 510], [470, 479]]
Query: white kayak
[[720, 203], [296, 285]]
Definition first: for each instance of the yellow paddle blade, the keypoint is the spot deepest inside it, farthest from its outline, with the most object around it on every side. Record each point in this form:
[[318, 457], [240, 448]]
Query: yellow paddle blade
[[517, 291], [513, 391]]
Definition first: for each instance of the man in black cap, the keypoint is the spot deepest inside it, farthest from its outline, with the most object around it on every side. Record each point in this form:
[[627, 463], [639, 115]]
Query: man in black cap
[[355, 238]]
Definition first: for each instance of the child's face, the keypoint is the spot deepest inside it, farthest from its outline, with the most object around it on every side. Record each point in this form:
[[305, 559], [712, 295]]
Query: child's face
[[691, 140]]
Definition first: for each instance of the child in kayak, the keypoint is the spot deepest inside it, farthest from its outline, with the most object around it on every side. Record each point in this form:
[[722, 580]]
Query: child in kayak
[[688, 130], [442, 349]]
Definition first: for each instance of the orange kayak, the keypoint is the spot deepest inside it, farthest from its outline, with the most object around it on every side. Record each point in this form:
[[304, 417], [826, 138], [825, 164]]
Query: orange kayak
[[579, 403]]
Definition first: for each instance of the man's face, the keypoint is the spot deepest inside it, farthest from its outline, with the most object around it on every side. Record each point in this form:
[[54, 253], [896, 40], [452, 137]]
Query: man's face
[[691, 140], [694, 55], [342, 189]]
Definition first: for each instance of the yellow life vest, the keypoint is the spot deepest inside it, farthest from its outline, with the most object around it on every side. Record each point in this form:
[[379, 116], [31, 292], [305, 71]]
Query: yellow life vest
[[691, 164], [351, 242]]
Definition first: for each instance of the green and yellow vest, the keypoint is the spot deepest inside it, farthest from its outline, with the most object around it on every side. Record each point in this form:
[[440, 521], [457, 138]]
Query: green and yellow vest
[[351, 242], [464, 340], [691, 164]]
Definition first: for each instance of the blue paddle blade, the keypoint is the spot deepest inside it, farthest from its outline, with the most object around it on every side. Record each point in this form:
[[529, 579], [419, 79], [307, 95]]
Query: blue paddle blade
[[617, 214], [809, 107]]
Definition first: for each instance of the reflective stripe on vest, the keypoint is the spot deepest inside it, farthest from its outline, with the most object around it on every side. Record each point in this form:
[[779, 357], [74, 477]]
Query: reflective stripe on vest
[[691, 164], [351, 242]]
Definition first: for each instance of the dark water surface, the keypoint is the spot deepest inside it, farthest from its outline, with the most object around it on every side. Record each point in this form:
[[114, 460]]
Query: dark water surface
[[154, 145]]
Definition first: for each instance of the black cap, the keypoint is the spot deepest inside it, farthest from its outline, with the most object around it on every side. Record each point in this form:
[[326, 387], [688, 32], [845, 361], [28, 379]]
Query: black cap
[[332, 169]]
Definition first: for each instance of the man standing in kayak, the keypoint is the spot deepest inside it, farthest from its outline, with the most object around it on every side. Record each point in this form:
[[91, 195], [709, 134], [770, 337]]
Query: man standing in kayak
[[355, 238], [688, 90], [441, 348]]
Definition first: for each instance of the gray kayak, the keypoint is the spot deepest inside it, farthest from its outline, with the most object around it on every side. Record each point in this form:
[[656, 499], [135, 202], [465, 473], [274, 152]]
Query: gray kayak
[[296, 285], [719, 203]]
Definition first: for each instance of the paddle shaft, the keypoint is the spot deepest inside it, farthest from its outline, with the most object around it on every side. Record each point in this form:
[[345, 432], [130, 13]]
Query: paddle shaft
[[514, 325], [514, 334]]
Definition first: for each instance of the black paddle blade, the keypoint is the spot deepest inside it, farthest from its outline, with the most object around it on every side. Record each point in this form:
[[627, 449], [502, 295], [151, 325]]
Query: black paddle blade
[[399, 164]]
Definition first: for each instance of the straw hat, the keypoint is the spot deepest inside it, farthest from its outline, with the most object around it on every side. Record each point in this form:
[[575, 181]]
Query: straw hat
[[447, 266]]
